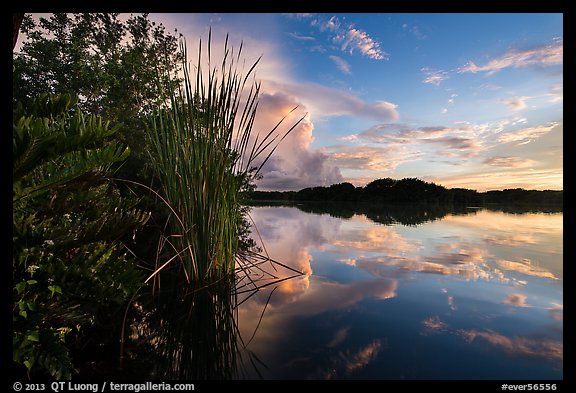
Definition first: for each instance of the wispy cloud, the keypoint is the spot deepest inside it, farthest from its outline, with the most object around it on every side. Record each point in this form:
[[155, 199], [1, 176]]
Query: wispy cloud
[[451, 139], [349, 38], [525, 266], [325, 101], [341, 64], [434, 77], [518, 345], [527, 135], [515, 103], [332, 24], [528, 178], [302, 15], [541, 56], [378, 159], [355, 39], [557, 92], [433, 325], [508, 161], [301, 37], [414, 30], [454, 146], [361, 358]]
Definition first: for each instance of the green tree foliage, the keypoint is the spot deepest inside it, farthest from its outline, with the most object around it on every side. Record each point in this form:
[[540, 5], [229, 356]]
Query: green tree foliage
[[413, 190], [117, 68], [69, 222]]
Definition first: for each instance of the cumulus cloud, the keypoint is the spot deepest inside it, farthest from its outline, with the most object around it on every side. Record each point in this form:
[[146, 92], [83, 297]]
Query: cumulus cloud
[[341, 64], [294, 165], [434, 77], [541, 56], [508, 161]]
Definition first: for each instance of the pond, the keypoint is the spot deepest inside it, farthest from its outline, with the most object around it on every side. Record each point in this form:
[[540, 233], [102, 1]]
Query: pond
[[410, 294], [387, 293]]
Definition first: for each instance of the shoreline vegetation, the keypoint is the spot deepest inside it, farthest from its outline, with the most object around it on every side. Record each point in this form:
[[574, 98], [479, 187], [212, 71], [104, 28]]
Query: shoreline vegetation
[[413, 191], [123, 170]]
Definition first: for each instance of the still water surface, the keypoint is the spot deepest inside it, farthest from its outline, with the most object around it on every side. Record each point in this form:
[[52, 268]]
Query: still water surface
[[473, 295]]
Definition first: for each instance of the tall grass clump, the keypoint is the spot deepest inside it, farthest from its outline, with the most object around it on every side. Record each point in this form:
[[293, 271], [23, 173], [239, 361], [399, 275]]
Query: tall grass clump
[[203, 152]]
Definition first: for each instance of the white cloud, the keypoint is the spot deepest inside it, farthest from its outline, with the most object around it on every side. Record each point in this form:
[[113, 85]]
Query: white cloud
[[341, 64], [349, 38], [355, 39]]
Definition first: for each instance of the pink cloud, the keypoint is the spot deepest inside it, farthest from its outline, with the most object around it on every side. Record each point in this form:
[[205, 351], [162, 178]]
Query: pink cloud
[[434, 77], [541, 56], [294, 164], [527, 135], [508, 161], [515, 103], [516, 300]]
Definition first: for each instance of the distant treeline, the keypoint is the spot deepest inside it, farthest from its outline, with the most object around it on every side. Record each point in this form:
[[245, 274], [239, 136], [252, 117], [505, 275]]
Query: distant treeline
[[412, 190]]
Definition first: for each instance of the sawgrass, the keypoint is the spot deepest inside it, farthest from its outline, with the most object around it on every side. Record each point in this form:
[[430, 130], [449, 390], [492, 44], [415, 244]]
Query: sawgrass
[[204, 152]]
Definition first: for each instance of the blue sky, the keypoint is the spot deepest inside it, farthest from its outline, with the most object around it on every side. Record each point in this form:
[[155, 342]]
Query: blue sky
[[463, 100]]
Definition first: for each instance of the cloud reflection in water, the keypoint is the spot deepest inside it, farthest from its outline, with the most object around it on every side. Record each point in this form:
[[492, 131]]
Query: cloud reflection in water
[[511, 253]]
